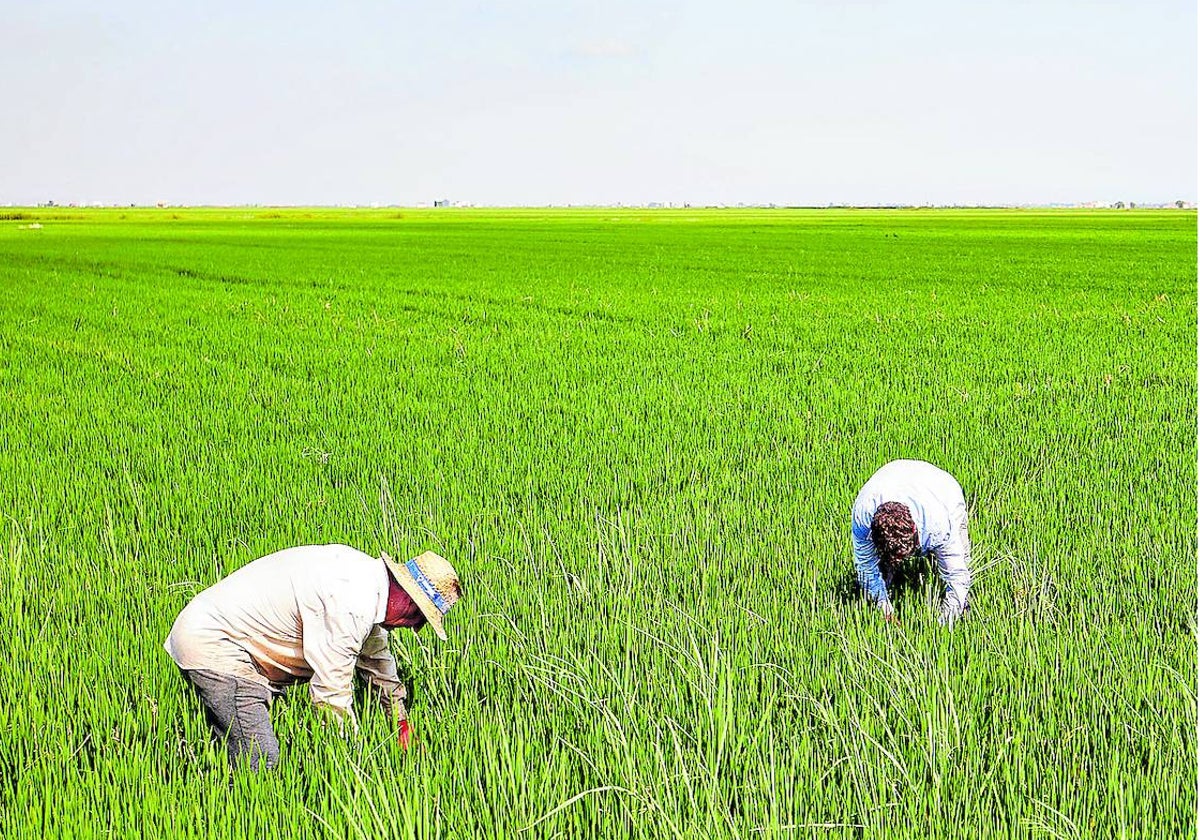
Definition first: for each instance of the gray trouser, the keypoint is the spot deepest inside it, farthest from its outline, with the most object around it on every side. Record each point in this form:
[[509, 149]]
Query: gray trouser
[[238, 710]]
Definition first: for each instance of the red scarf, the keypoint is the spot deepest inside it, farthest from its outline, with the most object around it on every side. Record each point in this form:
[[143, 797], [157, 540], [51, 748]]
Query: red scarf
[[400, 607]]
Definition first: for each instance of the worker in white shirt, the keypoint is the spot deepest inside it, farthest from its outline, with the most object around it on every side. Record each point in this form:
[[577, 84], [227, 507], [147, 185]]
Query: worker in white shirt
[[912, 508], [316, 613]]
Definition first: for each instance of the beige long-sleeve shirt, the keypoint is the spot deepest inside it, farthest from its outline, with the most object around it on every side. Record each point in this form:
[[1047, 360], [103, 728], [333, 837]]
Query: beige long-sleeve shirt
[[308, 613]]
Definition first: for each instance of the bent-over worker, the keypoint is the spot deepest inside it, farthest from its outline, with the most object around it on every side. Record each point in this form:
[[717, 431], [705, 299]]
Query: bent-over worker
[[908, 508], [316, 613]]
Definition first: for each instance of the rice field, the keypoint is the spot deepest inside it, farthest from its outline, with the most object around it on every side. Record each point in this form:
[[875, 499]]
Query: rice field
[[637, 435]]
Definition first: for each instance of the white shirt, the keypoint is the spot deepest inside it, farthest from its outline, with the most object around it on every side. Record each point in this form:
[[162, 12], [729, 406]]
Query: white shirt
[[308, 613], [939, 511]]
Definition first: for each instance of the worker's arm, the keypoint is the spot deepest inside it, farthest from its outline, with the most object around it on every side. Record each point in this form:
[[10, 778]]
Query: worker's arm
[[333, 638], [954, 565], [866, 566], [378, 668]]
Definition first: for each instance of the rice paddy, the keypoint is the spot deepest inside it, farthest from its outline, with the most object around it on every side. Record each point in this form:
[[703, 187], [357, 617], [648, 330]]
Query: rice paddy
[[638, 437]]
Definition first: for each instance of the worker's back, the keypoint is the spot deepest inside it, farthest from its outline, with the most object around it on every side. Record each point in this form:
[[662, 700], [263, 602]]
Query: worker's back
[[251, 622], [934, 497]]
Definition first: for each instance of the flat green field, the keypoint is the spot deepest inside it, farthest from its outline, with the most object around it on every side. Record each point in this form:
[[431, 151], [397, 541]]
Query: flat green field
[[638, 436]]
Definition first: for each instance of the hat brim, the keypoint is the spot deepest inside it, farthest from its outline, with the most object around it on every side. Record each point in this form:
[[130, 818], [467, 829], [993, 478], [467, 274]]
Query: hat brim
[[433, 616]]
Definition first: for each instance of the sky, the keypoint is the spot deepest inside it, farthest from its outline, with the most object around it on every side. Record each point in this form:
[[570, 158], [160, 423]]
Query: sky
[[536, 103]]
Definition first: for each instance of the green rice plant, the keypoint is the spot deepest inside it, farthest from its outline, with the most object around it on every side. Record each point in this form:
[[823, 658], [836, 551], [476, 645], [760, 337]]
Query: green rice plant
[[638, 436]]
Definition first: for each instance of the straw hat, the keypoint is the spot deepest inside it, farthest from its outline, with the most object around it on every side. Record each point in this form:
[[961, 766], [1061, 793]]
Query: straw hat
[[431, 582]]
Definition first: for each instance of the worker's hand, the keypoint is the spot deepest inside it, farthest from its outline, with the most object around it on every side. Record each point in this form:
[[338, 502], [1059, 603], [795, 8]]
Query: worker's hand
[[889, 614], [951, 611], [339, 719]]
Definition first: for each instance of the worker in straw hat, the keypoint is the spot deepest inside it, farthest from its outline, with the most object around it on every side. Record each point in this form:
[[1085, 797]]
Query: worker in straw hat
[[906, 509], [317, 613]]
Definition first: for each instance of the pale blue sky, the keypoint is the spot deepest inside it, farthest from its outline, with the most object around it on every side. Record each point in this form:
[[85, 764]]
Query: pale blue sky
[[537, 103]]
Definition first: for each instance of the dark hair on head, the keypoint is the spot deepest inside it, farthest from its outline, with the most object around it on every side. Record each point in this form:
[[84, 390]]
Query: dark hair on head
[[893, 533]]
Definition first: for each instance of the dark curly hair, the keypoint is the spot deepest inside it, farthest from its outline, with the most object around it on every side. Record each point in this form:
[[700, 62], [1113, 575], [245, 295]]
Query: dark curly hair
[[894, 535]]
